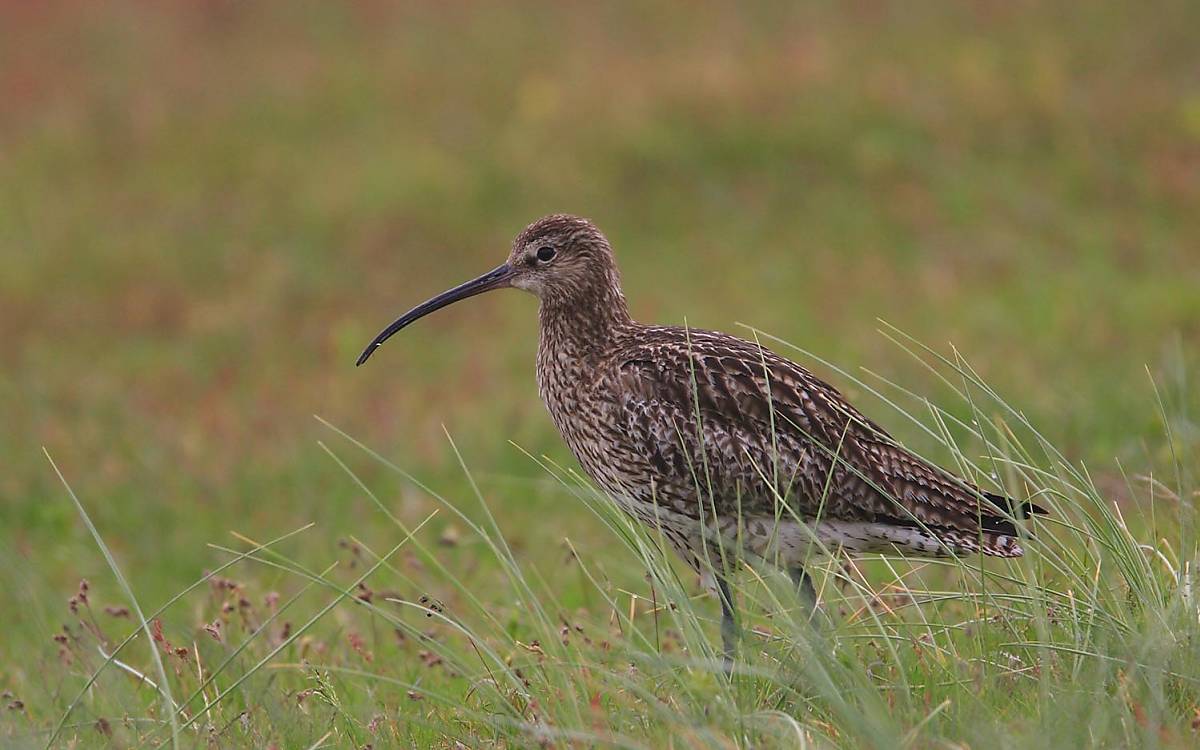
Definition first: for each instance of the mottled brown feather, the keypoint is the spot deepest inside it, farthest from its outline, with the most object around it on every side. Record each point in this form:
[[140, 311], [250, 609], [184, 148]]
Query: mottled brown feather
[[691, 427]]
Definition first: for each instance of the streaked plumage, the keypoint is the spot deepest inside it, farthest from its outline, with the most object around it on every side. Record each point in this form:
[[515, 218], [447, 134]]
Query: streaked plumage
[[698, 422], [702, 434]]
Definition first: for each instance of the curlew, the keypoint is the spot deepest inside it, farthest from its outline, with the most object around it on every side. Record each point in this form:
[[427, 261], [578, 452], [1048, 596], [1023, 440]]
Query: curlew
[[721, 444]]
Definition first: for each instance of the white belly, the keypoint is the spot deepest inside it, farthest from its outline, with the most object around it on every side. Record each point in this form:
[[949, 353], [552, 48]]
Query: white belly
[[784, 542]]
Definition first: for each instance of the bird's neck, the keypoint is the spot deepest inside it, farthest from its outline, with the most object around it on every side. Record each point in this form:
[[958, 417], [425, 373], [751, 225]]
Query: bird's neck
[[583, 327]]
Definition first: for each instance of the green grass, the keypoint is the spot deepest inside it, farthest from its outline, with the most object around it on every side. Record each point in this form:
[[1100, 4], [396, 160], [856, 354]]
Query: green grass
[[207, 210]]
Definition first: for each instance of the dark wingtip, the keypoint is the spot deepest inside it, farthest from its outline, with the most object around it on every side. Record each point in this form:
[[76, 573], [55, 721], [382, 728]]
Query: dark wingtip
[[1007, 503], [1004, 524], [1017, 509]]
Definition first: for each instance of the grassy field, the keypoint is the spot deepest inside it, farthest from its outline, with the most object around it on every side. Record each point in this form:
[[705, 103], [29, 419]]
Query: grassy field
[[208, 208]]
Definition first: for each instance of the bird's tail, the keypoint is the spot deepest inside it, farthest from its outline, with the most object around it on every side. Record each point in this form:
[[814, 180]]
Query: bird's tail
[[998, 535]]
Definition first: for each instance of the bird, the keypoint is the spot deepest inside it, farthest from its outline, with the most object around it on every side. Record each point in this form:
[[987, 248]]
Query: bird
[[728, 449]]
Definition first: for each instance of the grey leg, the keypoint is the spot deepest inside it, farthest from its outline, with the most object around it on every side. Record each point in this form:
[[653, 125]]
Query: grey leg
[[729, 627], [804, 584]]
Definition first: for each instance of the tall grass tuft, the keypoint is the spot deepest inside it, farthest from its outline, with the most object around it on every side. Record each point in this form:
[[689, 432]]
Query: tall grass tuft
[[1092, 638]]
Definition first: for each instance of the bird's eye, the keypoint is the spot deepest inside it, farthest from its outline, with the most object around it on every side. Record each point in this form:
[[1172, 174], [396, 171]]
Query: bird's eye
[[546, 253]]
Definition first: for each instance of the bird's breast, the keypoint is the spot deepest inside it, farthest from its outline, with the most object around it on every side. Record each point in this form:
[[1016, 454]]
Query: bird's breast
[[582, 411]]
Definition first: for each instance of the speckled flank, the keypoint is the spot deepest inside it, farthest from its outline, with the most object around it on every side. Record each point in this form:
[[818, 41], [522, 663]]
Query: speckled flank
[[707, 436]]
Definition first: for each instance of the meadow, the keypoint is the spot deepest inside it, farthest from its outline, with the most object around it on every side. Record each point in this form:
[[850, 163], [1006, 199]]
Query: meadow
[[977, 220]]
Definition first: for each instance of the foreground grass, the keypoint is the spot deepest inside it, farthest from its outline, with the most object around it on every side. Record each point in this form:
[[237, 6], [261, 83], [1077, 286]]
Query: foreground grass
[[206, 209], [1091, 639]]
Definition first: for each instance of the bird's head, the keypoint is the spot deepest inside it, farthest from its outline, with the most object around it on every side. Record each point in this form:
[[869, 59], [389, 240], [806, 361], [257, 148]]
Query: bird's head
[[563, 260], [561, 257]]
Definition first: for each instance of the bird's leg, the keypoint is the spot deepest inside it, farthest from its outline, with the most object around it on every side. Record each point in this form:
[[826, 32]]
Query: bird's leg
[[804, 585], [729, 627]]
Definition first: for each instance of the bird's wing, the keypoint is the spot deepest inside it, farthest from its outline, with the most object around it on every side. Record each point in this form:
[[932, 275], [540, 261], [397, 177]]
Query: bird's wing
[[748, 426]]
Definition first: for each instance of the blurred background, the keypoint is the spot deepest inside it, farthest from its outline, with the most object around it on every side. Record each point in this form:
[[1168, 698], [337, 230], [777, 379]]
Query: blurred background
[[208, 208]]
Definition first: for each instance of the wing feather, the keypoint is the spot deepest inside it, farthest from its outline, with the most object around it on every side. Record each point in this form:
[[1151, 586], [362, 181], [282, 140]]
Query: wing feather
[[741, 424]]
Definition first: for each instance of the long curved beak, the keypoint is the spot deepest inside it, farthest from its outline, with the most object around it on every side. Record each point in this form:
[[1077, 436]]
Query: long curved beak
[[497, 278]]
